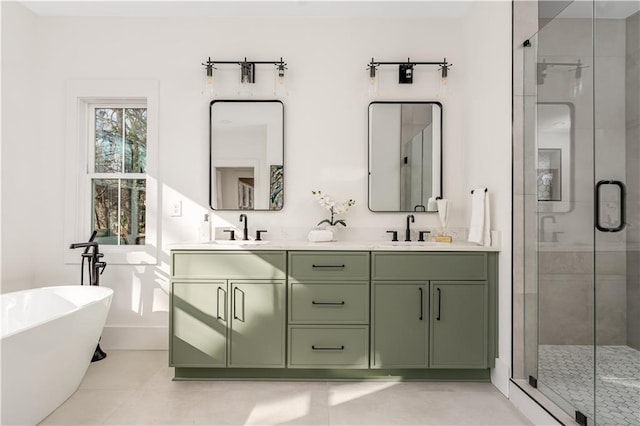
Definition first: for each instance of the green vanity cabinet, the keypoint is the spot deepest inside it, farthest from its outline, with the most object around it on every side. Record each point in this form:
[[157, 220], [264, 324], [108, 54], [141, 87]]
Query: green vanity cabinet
[[328, 309], [228, 309], [399, 324], [459, 324], [333, 314]]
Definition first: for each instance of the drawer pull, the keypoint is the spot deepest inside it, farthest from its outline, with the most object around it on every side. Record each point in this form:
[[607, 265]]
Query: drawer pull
[[313, 302], [421, 305], [439, 304], [327, 348], [328, 266]]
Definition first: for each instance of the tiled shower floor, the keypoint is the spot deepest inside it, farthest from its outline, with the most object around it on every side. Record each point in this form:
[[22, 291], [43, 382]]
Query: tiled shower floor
[[568, 371]]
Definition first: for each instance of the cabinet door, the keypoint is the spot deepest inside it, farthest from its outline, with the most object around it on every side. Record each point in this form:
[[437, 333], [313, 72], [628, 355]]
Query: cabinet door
[[199, 324], [399, 336], [459, 324], [257, 332]]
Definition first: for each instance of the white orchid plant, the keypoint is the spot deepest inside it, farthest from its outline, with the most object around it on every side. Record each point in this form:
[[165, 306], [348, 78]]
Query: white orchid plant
[[333, 207]]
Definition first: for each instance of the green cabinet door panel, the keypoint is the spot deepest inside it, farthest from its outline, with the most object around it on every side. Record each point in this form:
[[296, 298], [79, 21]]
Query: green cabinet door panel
[[199, 317], [328, 265], [459, 325], [257, 317], [429, 266], [229, 265], [399, 325], [329, 303]]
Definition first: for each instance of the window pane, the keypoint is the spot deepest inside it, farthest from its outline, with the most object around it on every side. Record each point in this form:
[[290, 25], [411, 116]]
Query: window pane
[[108, 140], [105, 210], [135, 140], [118, 211], [132, 211]]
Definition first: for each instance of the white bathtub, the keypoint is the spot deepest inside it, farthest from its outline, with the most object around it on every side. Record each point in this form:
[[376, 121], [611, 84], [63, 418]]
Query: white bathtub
[[48, 338]]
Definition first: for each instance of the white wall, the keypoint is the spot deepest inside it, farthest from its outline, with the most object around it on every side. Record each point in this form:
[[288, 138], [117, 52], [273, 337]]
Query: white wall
[[23, 209], [325, 130]]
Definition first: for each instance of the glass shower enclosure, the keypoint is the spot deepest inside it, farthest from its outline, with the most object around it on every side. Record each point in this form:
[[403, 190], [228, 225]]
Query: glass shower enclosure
[[582, 163]]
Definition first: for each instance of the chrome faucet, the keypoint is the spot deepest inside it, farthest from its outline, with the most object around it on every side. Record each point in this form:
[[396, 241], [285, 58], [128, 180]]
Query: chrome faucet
[[245, 231], [407, 234]]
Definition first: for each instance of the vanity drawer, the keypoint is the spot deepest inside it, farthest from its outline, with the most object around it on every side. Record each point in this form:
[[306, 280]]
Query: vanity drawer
[[228, 265], [308, 266], [328, 347], [334, 303], [429, 266]]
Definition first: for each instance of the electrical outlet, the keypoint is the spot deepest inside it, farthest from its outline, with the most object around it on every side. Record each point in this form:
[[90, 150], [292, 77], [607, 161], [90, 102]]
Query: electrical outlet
[[176, 208]]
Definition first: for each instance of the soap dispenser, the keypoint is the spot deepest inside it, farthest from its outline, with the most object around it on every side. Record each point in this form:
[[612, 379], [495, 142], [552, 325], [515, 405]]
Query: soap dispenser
[[204, 231]]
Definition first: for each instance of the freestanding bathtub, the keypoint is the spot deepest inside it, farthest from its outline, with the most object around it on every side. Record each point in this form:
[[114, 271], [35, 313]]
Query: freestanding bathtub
[[48, 338]]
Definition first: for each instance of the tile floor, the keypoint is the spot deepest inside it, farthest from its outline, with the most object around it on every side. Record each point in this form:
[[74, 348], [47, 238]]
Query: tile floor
[[568, 371], [135, 388]]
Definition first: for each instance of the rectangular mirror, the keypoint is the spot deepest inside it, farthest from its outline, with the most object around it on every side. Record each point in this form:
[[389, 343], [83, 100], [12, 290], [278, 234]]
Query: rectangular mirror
[[405, 156], [246, 155], [555, 146]]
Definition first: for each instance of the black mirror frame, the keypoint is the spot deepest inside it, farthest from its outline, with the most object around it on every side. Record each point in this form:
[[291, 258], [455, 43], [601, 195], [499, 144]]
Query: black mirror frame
[[211, 149]]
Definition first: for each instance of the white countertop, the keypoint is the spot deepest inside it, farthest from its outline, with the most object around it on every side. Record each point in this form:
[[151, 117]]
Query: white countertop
[[333, 245]]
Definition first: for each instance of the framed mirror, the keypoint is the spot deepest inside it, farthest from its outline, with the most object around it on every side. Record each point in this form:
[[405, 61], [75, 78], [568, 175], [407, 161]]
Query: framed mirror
[[405, 156], [554, 174], [246, 147]]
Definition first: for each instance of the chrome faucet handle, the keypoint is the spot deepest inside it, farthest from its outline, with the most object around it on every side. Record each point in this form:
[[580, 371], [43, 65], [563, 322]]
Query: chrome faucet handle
[[395, 235]]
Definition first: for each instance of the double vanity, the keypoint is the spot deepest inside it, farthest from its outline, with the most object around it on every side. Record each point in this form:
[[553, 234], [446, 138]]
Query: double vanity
[[347, 310]]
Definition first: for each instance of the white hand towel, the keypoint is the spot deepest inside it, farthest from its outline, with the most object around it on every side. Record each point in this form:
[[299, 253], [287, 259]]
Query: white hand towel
[[479, 229]]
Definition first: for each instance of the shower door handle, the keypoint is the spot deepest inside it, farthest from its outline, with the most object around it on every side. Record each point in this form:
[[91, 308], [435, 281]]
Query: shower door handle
[[623, 196]]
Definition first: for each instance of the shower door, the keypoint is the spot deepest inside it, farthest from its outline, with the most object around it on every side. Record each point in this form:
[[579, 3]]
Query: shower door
[[581, 173]]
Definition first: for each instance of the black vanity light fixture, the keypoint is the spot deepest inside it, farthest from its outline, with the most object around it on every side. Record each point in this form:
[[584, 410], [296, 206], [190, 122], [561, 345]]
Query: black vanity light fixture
[[543, 66], [405, 70], [247, 72]]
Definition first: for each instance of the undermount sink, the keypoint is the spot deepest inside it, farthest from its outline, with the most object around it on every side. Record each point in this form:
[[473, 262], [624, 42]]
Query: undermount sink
[[239, 243]]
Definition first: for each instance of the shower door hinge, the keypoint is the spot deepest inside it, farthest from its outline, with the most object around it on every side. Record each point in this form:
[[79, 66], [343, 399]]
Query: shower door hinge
[[533, 382], [581, 419]]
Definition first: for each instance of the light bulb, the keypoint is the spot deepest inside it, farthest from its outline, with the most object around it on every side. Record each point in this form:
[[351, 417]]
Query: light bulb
[[576, 87], [280, 82], [373, 86], [209, 87], [209, 80]]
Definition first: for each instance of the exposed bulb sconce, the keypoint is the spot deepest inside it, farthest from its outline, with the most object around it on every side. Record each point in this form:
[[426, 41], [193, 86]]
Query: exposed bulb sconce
[[373, 79], [576, 67], [247, 72], [405, 69], [208, 78]]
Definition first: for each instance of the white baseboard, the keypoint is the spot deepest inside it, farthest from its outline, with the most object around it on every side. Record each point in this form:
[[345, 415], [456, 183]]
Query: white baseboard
[[135, 338], [500, 377]]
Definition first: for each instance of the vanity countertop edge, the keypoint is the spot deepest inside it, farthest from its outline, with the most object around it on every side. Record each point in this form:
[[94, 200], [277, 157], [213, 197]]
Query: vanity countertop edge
[[293, 245]]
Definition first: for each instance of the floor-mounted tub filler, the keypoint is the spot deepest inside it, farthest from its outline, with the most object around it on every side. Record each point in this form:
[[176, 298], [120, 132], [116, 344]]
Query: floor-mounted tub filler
[[48, 338]]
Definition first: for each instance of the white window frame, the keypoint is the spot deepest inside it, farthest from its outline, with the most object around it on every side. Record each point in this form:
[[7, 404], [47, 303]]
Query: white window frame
[[82, 96]]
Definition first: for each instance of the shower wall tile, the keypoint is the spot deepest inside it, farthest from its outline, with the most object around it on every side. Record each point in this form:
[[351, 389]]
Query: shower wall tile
[[575, 34], [609, 92], [632, 104], [611, 316], [610, 152], [610, 37], [633, 298], [565, 309]]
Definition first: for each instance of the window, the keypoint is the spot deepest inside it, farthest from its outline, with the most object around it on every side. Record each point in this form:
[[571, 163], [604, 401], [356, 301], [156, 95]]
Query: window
[[117, 173], [111, 170]]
